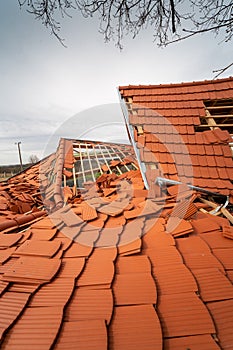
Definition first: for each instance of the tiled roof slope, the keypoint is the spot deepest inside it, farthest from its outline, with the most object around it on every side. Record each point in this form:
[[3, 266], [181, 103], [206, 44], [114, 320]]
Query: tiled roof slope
[[115, 269], [129, 276], [112, 265], [163, 123]]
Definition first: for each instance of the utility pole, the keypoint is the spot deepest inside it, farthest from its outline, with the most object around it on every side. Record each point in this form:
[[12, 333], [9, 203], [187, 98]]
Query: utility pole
[[20, 157]]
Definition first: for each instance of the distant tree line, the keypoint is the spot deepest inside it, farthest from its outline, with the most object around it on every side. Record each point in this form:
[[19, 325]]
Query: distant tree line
[[10, 170]]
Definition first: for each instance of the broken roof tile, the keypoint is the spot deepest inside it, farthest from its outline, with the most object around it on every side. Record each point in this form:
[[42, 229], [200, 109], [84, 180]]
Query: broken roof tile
[[178, 227]]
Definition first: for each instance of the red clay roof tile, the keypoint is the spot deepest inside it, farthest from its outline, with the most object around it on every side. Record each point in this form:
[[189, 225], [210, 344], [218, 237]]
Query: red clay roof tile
[[3, 286], [42, 234], [32, 269], [225, 257], [200, 260], [11, 305], [94, 275], [163, 256], [38, 248], [184, 323], [23, 288], [5, 254], [203, 342], [7, 240], [90, 304], [41, 323], [133, 247], [222, 313], [205, 225], [213, 284], [56, 293], [157, 238], [133, 264], [173, 279], [83, 334], [135, 327], [134, 288], [209, 142], [71, 267]]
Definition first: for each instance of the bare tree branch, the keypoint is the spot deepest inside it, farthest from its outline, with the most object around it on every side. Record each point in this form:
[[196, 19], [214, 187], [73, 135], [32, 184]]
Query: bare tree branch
[[222, 70], [120, 17]]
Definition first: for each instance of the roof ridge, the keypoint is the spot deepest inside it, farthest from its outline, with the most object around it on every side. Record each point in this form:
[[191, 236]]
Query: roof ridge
[[187, 83]]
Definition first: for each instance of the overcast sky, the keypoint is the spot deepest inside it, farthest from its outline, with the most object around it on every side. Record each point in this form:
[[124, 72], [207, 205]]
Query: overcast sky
[[48, 90]]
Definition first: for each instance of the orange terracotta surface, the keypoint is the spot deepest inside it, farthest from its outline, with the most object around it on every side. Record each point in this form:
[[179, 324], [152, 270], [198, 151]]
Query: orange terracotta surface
[[177, 310], [197, 342], [223, 317], [11, 305], [213, 284], [41, 324], [85, 335], [32, 269], [38, 248], [135, 327], [174, 279], [141, 283], [90, 304], [9, 240], [122, 267], [167, 114]]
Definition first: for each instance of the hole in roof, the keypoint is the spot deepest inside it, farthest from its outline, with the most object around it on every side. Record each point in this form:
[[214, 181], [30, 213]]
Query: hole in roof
[[219, 113]]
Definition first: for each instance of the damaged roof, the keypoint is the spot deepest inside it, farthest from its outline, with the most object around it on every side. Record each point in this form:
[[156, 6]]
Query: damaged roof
[[95, 254], [183, 131]]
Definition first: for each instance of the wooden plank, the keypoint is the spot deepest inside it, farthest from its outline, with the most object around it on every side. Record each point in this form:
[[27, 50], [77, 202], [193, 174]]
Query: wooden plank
[[219, 107], [210, 203], [219, 116], [215, 125], [227, 214], [210, 120]]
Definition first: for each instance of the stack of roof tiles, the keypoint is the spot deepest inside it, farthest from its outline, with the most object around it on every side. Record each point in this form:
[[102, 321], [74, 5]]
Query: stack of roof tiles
[[20, 199], [113, 267]]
